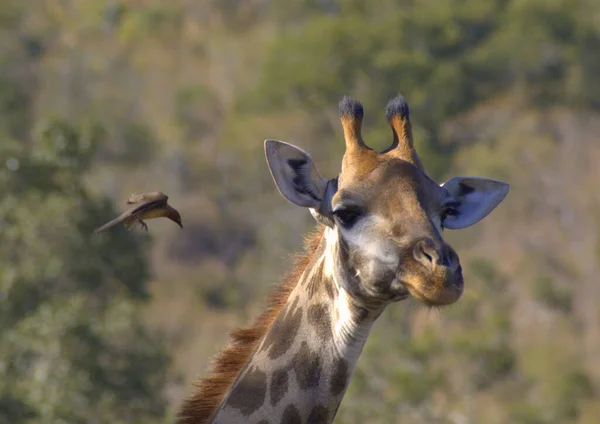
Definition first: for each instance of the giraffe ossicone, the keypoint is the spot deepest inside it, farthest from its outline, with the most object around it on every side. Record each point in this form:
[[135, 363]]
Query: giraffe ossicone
[[379, 240]]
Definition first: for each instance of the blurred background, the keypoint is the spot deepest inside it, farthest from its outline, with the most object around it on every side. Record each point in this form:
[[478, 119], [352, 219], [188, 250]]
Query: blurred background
[[103, 98]]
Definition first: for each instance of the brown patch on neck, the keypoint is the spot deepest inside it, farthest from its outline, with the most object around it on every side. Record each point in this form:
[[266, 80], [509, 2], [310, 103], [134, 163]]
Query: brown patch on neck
[[209, 392]]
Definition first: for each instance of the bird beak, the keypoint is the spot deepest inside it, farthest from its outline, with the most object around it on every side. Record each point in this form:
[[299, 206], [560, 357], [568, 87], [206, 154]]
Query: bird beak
[[180, 224]]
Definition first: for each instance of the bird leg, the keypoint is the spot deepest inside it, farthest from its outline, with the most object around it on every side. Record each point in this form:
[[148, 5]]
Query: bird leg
[[144, 225]]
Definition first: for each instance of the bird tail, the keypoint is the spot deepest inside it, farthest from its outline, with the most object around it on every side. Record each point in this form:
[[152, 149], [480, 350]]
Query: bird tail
[[109, 224]]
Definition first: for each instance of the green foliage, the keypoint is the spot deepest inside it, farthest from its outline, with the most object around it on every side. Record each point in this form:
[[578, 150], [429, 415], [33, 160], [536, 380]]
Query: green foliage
[[525, 413], [413, 385], [553, 296], [222, 294], [13, 102], [484, 338], [71, 343], [136, 24], [574, 387]]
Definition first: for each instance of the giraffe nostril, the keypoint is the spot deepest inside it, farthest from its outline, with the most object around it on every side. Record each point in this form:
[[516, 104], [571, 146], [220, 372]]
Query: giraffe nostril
[[426, 252], [451, 259], [429, 258]]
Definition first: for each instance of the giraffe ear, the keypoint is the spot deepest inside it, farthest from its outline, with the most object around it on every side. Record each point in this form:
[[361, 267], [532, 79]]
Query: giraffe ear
[[475, 199], [295, 174]]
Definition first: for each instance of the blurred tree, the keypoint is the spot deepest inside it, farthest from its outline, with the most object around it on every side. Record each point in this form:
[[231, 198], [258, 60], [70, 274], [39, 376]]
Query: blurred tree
[[72, 347]]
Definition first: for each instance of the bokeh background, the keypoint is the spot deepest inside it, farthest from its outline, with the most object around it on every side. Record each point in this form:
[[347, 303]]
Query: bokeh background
[[102, 98]]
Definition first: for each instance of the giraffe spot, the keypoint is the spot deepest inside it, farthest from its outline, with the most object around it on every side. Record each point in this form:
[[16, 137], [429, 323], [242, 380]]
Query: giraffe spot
[[318, 317], [294, 304], [310, 278], [291, 415], [312, 285], [281, 335], [339, 379], [318, 415], [363, 314], [307, 366], [279, 385], [331, 290], [249, 394]]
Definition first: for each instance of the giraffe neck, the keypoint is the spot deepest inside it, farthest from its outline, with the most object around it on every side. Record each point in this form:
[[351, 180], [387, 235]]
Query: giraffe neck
[[301, 369]]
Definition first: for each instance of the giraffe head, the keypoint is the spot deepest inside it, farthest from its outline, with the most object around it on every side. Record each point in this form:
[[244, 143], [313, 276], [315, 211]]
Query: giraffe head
[[384, 215]]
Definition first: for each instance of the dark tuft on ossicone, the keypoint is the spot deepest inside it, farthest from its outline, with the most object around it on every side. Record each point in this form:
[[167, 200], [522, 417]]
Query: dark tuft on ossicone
[[350, 108], [397, 106]]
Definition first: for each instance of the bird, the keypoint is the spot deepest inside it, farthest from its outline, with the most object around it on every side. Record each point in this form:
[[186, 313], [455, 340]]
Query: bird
[[151, 205]]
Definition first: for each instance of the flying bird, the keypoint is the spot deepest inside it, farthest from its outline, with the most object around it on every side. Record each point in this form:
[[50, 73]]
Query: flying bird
[[151, 205]]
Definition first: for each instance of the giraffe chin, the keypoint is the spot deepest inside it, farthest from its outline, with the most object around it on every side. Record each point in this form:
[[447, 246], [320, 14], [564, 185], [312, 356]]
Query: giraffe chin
[[442, 288]]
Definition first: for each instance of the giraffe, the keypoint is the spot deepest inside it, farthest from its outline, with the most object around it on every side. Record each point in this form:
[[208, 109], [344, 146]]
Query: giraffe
[[378, 241]]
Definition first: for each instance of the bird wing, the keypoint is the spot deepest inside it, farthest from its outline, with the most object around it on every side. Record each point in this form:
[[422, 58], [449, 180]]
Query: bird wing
[[145, 207], [147, 197]]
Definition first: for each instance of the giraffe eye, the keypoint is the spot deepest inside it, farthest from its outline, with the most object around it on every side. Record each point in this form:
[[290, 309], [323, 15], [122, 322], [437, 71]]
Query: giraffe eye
[[347, 217]]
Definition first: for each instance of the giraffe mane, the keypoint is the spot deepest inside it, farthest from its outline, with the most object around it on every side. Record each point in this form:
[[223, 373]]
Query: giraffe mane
[[210, 390]]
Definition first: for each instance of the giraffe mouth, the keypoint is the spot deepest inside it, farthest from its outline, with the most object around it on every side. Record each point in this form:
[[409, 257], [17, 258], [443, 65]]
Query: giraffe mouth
[[439, 289]]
